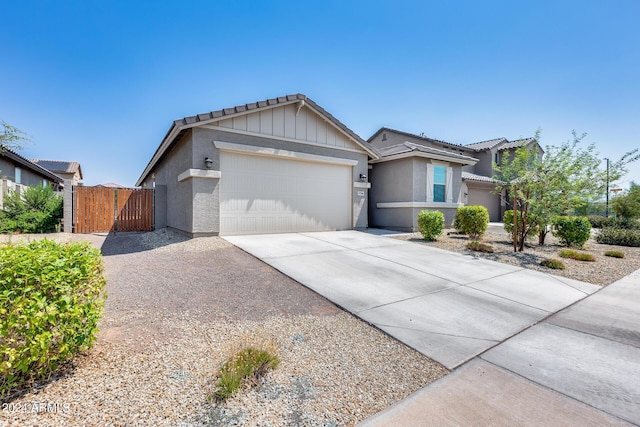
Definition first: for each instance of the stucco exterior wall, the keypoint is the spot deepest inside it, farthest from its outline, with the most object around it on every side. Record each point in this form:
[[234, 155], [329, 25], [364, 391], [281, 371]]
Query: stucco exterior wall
[[29, 178], [481, 194], [193, 205], [177, 207], [405, 181]]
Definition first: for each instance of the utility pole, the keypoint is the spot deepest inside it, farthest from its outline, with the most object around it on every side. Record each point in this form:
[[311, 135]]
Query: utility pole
[[607, 209]]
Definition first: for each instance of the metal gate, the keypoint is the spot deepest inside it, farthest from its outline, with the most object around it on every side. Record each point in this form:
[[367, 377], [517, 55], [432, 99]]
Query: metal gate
[[101, 209]]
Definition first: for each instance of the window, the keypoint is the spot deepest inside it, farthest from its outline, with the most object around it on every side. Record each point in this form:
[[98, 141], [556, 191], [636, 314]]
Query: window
[[439, 183], [496, 159], [45, 183], [18, 176]]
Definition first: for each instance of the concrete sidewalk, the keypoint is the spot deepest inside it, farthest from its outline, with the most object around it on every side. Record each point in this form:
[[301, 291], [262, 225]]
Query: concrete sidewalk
[[448, 306], [578, 367]]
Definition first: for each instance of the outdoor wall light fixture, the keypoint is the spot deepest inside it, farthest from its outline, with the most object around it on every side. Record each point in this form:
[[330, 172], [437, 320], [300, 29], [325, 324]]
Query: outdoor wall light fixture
[[208, 162], [363, 177]]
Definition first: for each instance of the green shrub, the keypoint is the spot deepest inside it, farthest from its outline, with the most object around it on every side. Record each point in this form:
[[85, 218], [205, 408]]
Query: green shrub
[[36, 210], [552, 263], [614, 254], [51, 299], [246, 365], [598, 221], [619, 237], [571, 230], [533, 225], [430, 224], [479, 247], [626, 223], [472, 220], [578, 256]]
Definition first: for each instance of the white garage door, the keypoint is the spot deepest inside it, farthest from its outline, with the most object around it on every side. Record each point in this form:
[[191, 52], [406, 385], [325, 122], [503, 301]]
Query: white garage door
[[274, 195]]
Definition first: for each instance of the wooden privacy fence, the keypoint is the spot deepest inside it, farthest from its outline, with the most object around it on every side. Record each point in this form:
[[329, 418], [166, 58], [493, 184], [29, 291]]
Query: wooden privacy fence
[[101, 210]]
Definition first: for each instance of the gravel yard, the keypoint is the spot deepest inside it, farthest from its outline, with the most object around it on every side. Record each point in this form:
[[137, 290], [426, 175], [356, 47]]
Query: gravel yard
[[604, 271], [175, 309]]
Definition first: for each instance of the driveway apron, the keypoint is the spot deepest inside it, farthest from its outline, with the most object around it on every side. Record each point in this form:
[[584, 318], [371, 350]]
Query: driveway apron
[[448, 306]]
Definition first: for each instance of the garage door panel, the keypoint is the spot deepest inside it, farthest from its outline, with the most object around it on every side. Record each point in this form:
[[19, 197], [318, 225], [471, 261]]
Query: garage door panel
[[272, 195]]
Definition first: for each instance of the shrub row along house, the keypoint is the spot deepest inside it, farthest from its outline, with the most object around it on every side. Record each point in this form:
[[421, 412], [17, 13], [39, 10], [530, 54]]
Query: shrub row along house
[[287, 165]]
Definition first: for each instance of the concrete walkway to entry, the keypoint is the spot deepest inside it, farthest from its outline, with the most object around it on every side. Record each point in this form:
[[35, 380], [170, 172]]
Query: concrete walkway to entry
[[580, 366]]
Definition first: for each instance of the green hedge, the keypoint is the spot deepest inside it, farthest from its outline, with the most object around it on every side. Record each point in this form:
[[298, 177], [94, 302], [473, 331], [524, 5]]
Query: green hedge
[[619, 237], [51, 299], [571, 230], [430, 224], [598, 221], [472, 220]]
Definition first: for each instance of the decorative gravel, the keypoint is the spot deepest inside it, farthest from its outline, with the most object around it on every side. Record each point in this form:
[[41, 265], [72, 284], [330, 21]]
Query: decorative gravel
[[604, 271], [177, 307]]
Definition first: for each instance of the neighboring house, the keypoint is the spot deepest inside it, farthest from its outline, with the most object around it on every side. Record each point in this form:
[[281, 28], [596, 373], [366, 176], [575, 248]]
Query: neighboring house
[[65, 169], [19, 170], [414, 172], [279, 165], [16, 172]]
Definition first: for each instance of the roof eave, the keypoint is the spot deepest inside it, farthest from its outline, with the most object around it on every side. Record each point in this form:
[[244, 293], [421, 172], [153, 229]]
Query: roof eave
[[470, 161]]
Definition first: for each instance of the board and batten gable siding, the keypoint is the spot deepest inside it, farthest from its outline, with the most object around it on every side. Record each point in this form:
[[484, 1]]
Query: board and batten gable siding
[[289, 123]]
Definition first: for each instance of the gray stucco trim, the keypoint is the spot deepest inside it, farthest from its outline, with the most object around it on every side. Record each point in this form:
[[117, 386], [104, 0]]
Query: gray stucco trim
[[432, 205], [452, 159], [361, 184], [199, 173], [283, 154]]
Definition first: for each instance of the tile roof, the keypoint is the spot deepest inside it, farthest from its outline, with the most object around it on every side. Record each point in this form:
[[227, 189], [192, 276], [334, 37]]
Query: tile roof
[[517, 143], [23, 161], [483, 145], [408, 147], [59, 166], [191, 121], [468, 176], [413, 135]]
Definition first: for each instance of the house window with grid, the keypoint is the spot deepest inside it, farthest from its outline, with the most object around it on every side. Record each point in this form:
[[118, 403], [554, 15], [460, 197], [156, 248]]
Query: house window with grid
[[439, 183]]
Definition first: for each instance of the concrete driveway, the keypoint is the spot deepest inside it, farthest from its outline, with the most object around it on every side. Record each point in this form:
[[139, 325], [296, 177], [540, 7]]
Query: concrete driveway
[[450, 307], [579, 364]]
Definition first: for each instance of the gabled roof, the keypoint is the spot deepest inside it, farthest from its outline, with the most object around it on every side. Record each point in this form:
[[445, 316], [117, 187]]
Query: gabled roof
[[484, 145], [24, 162], [468, 176], [59, 166], [407, 149], [180, 126], [518, 143], [412, 135]]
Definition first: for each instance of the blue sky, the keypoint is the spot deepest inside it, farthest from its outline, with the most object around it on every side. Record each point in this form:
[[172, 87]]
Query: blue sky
[[100, 82]]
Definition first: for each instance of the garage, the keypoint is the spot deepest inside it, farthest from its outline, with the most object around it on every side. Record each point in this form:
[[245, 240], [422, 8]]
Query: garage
[[274, 194]]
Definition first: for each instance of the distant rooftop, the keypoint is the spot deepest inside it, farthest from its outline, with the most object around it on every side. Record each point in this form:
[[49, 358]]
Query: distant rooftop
[[59, 166]]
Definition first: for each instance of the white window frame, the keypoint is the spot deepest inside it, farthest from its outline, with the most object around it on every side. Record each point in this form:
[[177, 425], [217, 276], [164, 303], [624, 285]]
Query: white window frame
[[18, 175], [448, 189]]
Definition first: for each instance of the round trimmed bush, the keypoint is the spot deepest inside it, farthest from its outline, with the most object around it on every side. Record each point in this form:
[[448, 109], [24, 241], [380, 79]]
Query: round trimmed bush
[[430, 224], [472, 220], [571, 230]]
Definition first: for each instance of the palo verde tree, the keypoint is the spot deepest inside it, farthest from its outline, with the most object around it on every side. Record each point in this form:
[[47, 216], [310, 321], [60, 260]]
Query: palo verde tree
[[11, 138], [541, 187]]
